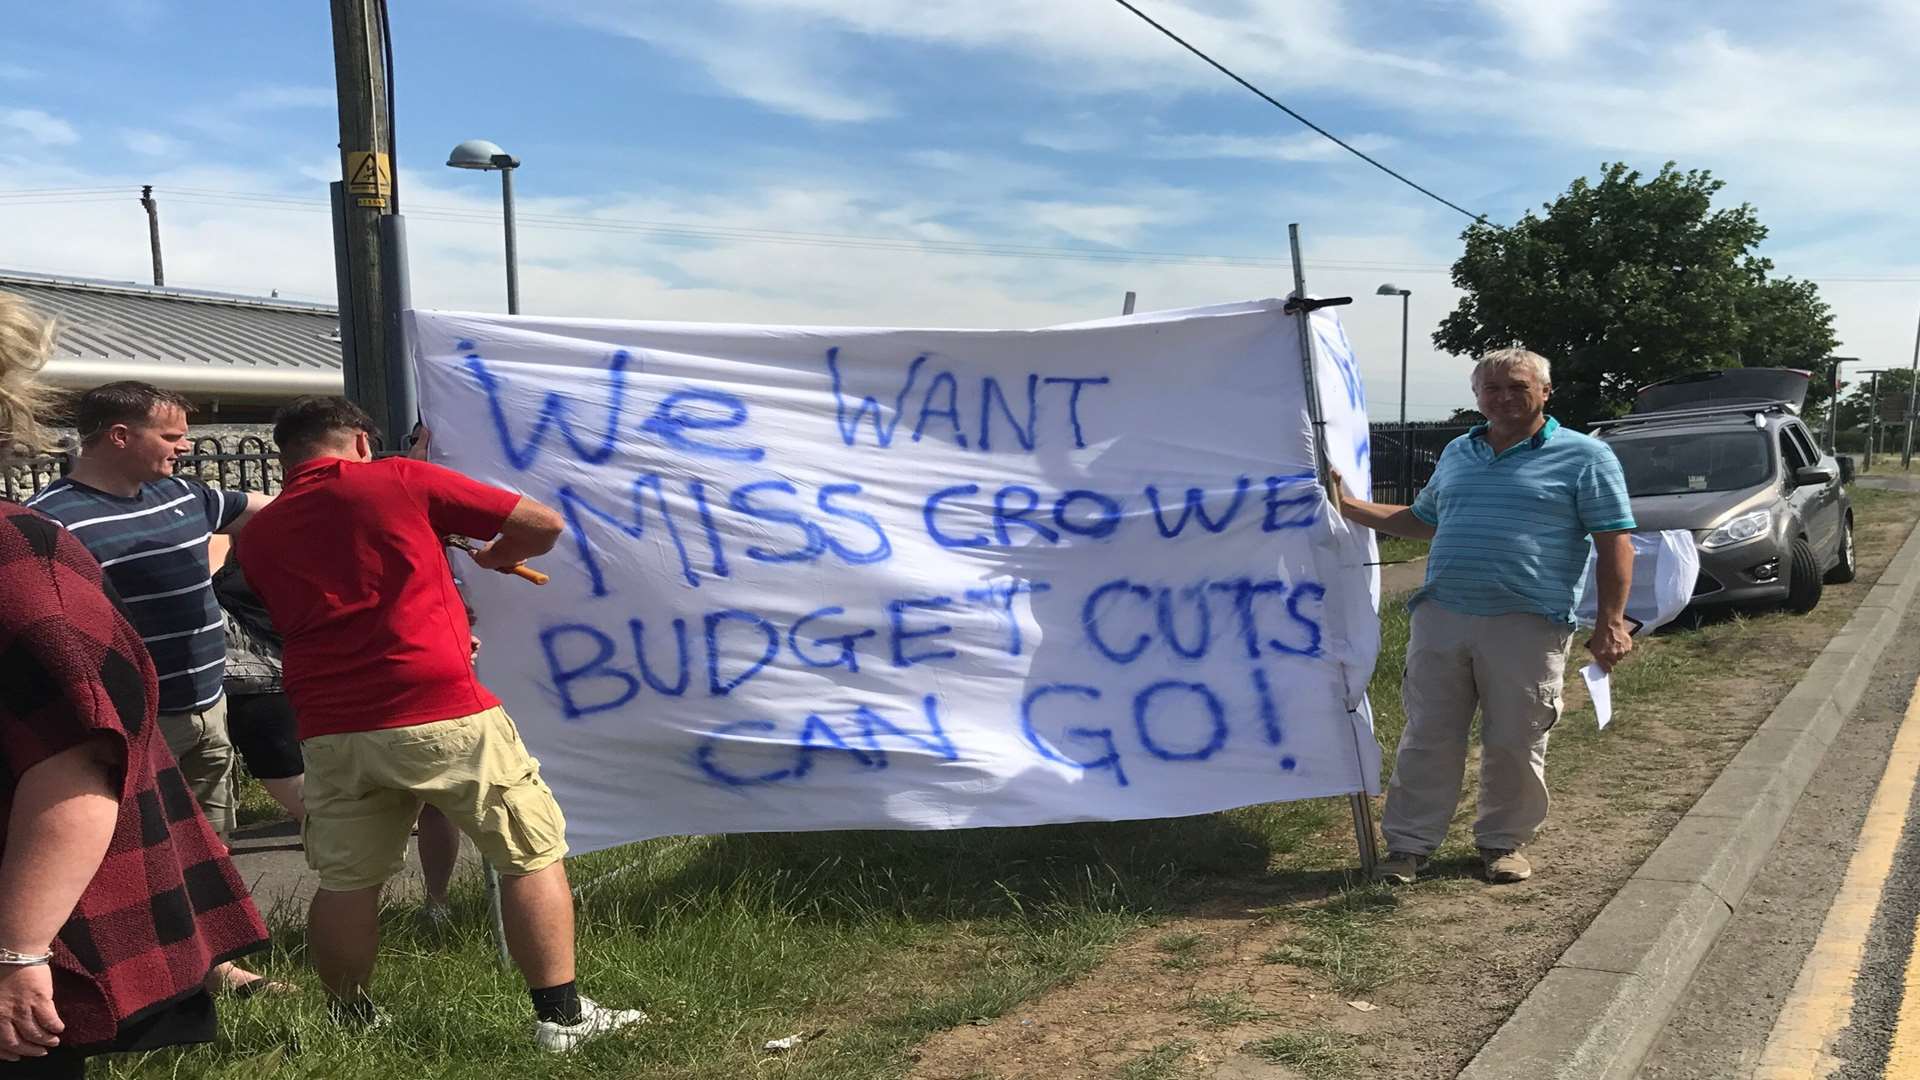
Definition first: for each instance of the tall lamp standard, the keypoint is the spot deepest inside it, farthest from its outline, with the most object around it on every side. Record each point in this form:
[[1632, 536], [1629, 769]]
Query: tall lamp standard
[[1406, 437], [1833, 402], [1913, 399], [481, 154]]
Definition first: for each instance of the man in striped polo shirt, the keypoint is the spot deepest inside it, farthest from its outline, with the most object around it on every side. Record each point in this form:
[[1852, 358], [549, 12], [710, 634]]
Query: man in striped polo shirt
[[1510, 509], [149, 530]]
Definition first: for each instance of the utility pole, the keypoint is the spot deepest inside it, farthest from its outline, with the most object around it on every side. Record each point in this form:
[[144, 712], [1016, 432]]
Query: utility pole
[[153, 231], [376, 375], [1873, 415], [1913, 398]]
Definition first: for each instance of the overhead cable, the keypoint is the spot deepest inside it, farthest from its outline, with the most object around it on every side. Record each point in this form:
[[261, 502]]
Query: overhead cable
[[1275, 102]]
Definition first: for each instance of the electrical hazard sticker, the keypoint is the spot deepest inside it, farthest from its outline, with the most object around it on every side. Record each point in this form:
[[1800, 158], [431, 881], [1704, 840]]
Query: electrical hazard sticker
[[369, 172]]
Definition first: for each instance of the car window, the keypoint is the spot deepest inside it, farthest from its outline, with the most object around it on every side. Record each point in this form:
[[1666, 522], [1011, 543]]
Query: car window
[[1675, 464], [1791, 455], [1805, 440]]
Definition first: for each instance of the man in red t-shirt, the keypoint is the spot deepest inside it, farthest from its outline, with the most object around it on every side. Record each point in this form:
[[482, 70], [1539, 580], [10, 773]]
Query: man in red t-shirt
[[349, 561]]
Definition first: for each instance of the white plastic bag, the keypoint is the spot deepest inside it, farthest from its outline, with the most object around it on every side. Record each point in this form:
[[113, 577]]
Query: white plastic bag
[[1665, 566]]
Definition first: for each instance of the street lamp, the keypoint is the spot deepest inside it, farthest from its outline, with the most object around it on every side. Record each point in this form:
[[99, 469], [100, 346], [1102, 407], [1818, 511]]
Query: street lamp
[[1406, 437], [1873, 409], [1913, 399], [1833, 402], [481, 154], [1405, 299]]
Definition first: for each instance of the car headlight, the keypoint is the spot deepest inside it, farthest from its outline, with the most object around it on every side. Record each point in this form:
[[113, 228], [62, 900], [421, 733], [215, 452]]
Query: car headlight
[[1745, 527]]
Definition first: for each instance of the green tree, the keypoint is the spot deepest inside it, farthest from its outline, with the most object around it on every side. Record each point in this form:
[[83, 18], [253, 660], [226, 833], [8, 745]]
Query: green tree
[[1856, 399], [1623, 281]]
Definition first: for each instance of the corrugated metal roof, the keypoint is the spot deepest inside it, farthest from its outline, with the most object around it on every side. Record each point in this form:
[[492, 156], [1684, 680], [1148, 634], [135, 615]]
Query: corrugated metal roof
[[199, 339], [103, 320]]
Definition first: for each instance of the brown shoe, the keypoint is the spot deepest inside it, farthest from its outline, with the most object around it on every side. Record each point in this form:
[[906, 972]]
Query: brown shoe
[[1399, 868], [1505, 867]]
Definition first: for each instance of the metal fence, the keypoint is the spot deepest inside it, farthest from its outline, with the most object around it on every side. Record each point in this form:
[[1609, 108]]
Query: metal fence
[[1403, 461], [1404, 457], [235, 463]]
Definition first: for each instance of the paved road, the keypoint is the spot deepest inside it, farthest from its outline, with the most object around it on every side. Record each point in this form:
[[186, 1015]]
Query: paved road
[[1809, 978]]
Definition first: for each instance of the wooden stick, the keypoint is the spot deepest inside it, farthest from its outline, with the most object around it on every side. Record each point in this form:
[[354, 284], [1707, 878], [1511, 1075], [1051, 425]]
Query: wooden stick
[[520, 570]]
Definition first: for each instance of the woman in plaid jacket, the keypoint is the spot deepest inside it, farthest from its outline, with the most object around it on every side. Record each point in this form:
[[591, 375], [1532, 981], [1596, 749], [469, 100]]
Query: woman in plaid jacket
[[116, 898]]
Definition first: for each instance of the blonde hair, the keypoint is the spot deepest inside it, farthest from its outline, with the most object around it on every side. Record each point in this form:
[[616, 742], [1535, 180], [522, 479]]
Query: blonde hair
[[26, 340], [1502, 359]]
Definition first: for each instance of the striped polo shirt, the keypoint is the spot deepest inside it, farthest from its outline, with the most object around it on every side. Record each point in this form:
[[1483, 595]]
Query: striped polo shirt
[[153, 547], [1513, 528]]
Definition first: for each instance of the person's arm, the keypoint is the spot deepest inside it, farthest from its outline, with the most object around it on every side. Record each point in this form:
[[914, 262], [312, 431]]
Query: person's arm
[[227, 511], [62, 818], [1381, 517], [1613, 574], [530, 529], [255, 503], [457, 505]]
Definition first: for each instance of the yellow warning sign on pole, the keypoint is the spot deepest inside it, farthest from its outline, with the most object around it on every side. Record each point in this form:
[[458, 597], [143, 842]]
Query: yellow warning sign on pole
[[369, 172]]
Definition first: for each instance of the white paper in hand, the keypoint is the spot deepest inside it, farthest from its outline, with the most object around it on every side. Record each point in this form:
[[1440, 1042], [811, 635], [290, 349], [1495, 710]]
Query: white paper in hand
[[1600, 689]]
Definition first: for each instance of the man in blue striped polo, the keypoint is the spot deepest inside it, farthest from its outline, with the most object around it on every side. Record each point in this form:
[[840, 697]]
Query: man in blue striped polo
[[149, 529], [1510, 509]]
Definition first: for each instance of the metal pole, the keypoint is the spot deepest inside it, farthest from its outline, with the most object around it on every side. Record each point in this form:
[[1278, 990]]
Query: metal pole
[[1873, 417], [1360, 802], [403, 396], [1833, 410], [1913, 388], [513, 253], [490, 873], [1126, 306], [1406, 436], [1406, 300]]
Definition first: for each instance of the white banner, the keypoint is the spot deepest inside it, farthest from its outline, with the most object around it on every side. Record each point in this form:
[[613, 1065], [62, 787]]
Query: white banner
[[822, 578]]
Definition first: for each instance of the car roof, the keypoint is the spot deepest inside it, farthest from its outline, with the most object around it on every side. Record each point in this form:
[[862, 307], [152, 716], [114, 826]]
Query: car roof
[[1773, 422]]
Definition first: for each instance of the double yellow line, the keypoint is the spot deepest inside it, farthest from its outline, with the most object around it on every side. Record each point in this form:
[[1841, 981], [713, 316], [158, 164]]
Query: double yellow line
[[1822, 998]]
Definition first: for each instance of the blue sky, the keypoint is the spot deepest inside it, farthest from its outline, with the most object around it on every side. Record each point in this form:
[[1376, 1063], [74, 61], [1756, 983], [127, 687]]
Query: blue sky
[[973, 125]]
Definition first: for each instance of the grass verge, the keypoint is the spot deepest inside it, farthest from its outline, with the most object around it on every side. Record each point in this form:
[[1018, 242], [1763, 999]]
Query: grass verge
[[878, 940]]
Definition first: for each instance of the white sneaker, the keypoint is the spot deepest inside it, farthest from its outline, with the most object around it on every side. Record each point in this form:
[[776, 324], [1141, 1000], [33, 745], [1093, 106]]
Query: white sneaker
[[594, 1020]]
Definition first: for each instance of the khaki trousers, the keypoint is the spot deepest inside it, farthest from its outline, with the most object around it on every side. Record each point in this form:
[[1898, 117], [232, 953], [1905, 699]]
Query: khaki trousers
[[1510, 667], [200, 744]]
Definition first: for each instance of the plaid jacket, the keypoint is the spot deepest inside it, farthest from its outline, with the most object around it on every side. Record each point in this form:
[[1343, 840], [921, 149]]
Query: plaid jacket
[[166, 904]]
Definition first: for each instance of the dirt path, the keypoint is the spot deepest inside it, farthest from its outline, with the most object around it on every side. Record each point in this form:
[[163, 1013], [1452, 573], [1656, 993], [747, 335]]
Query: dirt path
[[1265, 976]]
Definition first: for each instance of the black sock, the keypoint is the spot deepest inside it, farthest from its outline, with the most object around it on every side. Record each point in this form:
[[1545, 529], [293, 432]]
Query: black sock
[[357, 1012], [557, 1004]]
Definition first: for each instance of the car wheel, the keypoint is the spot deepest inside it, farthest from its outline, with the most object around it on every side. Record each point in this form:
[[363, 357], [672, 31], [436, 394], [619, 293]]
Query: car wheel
[[1803, 583], [1844, 570]]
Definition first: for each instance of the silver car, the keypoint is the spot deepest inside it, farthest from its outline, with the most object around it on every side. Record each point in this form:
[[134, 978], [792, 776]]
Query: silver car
[[1725, 455]]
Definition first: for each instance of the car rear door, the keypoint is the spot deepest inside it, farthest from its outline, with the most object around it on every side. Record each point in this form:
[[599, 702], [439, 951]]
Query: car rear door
[[1825, 499], [1805, 501]]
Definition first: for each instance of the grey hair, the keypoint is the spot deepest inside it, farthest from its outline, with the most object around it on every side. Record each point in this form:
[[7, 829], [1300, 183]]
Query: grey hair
[[1503, 359]]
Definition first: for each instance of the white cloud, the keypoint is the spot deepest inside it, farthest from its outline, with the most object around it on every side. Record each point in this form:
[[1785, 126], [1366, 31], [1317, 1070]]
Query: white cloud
[[1070, 140], [39, 126], [1549, 29], [152, 144], [784, 67], [18, 73], [1306, 146], [267, 98]]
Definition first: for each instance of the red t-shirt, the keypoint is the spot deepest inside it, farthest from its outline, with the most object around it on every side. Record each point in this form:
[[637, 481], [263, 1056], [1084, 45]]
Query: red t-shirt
[[349, 563]]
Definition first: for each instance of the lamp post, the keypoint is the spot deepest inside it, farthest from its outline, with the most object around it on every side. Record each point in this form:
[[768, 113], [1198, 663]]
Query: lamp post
[[1406, 437], [1913, 399], [1873, 410], [1833, 402], [481, 154]]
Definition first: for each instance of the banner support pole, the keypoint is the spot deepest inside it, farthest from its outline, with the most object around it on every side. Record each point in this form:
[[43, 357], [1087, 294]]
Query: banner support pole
[[491, 877], [1302, 308]]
